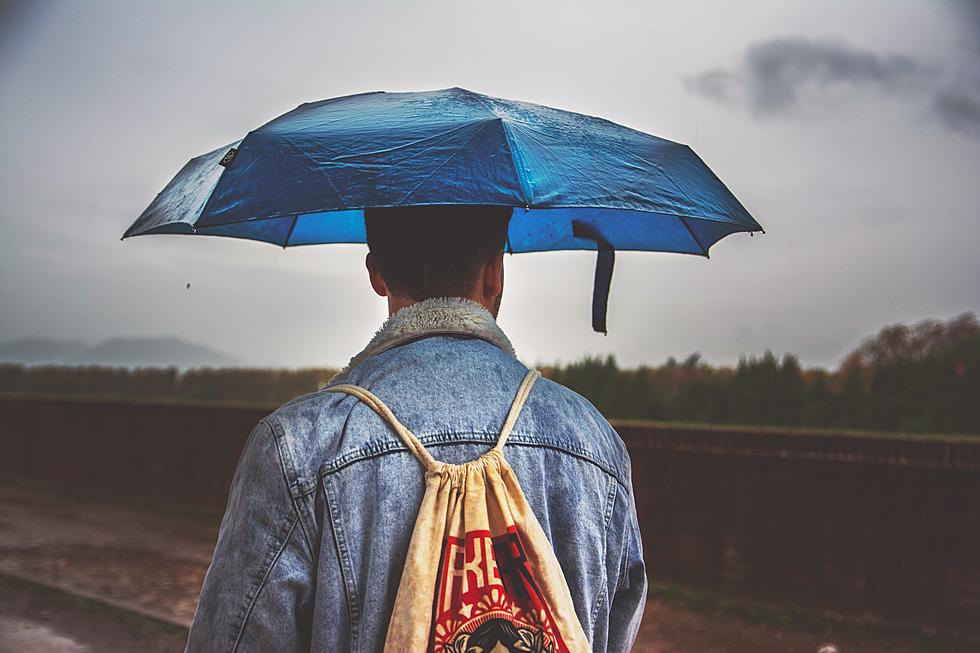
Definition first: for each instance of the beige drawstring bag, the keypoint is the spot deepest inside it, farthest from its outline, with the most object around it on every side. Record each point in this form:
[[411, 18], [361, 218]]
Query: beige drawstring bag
[[480, 575]]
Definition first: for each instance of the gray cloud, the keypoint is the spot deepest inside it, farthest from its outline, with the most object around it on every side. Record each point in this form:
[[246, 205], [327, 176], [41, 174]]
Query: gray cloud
[[957, 104], [966, 17], [783, 76], [957, 110], [717, 84], [775, 73], [16, 18]]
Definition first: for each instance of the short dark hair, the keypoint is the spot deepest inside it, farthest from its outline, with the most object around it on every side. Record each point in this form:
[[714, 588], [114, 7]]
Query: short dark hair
[[435, 251]]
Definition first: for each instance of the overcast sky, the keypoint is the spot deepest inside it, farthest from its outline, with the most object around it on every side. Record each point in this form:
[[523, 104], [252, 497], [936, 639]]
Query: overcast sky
[[850, 130]]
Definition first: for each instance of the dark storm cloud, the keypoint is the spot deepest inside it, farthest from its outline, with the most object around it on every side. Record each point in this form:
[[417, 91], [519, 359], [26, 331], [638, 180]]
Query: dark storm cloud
[[775, 73]]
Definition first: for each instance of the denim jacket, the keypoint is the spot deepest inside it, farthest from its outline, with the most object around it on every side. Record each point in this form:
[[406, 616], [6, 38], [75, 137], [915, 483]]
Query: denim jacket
[[325, 496]]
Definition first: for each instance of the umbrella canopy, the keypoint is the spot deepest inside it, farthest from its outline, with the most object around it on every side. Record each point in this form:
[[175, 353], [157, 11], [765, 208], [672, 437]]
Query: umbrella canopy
[[575, 181]]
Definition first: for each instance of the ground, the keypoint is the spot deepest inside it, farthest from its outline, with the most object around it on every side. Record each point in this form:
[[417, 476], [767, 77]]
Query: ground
[[83, 575]]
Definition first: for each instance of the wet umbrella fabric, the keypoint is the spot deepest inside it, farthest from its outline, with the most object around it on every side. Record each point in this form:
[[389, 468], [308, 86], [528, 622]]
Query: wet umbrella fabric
[[576, 181]]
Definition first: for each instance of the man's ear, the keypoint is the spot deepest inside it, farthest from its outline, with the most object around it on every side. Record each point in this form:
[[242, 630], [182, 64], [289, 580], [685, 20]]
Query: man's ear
[[377, 282], [493, 277]]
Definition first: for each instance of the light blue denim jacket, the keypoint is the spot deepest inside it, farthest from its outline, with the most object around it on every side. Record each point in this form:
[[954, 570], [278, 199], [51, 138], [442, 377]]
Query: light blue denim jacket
[[325, 496]]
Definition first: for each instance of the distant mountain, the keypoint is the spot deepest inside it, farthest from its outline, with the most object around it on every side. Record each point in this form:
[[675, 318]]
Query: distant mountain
[[115, 352], [39, 350]]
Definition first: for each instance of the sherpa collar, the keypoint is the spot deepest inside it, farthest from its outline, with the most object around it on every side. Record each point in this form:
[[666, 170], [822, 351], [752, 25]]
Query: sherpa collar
[[436, 315]]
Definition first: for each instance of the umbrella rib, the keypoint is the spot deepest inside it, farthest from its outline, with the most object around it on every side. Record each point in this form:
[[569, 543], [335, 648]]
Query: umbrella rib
[[526, 195], [704, 252], [289, 234]]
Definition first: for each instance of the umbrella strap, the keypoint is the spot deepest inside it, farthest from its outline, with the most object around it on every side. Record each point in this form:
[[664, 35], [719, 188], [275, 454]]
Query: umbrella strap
[[605, 258]]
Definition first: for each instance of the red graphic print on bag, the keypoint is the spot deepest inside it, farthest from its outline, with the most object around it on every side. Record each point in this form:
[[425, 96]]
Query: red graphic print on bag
[[487, 599]]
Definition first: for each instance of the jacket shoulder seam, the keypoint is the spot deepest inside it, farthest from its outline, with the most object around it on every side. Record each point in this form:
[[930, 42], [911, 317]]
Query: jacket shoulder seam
[[294, 484]]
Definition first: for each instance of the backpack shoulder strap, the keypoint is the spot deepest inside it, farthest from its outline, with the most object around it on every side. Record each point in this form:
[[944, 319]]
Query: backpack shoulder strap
[[412, 442], [515, 408]]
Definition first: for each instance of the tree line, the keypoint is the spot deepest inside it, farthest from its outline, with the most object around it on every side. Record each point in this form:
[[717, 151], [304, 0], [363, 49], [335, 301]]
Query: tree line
[[919, 378]]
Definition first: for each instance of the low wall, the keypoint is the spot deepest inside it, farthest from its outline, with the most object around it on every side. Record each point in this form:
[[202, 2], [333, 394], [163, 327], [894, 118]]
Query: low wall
[[853, 523], [177, 454], [850, 523]]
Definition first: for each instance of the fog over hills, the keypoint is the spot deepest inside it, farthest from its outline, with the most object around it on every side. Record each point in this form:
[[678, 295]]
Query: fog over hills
[[115, 352]]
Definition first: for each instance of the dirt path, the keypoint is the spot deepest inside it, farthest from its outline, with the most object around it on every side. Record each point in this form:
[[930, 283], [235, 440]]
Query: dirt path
[[152, 564], [669, 629], [33, 618]]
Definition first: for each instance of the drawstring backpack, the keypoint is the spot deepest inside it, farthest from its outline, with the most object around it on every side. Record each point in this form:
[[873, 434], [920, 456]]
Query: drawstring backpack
[[480, 574]]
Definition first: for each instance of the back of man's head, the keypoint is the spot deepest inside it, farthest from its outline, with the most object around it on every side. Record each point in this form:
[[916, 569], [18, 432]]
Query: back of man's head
[[435, 251]]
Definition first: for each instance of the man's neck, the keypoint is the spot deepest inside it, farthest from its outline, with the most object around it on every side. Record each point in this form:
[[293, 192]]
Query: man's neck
[[438, 315], [398, 302]]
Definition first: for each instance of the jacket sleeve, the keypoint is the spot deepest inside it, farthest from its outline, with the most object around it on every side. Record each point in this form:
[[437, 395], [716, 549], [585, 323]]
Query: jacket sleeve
[[258, 591], [629, 600]]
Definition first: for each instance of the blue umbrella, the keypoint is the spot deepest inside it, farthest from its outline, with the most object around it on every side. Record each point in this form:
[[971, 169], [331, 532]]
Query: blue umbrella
[[575, 181]]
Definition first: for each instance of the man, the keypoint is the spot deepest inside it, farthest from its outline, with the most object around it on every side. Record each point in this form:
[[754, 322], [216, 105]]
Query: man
[[324, 500]]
